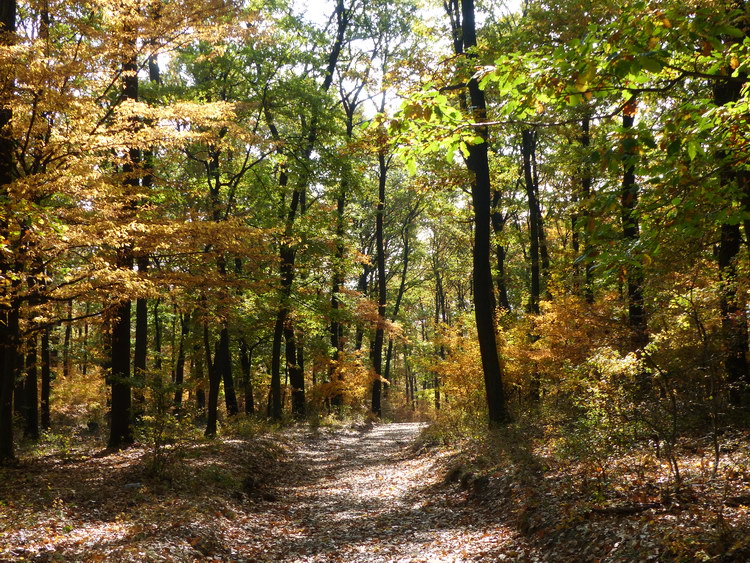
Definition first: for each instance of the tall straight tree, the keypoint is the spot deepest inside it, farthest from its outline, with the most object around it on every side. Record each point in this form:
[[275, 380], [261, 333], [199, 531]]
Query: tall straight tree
[[631, 230], [120, 430], [481, 195], [8, 311]]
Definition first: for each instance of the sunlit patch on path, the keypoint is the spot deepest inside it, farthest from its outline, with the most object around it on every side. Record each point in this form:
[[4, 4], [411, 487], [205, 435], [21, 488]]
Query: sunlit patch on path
[[367, 498]]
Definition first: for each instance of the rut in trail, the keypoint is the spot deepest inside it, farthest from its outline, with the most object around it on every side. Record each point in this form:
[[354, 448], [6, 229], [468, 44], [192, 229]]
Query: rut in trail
[[367, 498]]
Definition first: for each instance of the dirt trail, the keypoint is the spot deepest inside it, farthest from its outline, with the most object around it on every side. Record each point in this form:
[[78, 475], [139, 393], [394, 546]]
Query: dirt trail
[[366, 498]]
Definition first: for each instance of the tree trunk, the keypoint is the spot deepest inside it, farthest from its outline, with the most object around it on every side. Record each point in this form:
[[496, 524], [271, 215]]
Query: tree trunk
[[528, 142], [224, 361], [46, 380], [120, 424], [380, 250], [336, 330], [120, 433], [498, 225], [8, 312], [31, 392], [733, 305], [67, 340], [140, 347], [214, 383], [583, 223], [246, 362], [179, 368], [481, 193], [631, 233]]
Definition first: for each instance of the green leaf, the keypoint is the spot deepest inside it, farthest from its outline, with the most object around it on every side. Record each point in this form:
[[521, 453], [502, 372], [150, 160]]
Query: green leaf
[[692, 149], [650, 64]]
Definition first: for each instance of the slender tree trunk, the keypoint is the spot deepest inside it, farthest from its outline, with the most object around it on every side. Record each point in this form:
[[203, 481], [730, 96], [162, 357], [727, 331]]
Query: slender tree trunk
[[336, 331], [362, 284], [528, 142], [246, 362], [85, 344], [498, 226], [224, 359], [585, 218], [406, 239], [31, 391], [631, 233], [179, 369], [140, 347], [275, 390], [67, 340], [380, 250], [481, 193], [214, 383], [46, 380]]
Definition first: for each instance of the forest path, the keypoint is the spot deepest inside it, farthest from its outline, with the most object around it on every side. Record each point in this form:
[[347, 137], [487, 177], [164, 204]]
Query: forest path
[[366, 497]]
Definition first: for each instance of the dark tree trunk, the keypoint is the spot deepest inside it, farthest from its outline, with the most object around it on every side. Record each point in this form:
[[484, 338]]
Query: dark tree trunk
[[67, 340], [46, 380], [362, 284], [140, 346], [275, 391], [498, 225], [8, 313], [44, 403], [214, 383], [481, 192], [406, 239], [224, 361], [631, 233], [377, 358], [336, 329], [528, 142], [246, 362], [120, 433], [158, 359], [733, 305], [31, 392], [179, 368], [9, 331], [582, 223]]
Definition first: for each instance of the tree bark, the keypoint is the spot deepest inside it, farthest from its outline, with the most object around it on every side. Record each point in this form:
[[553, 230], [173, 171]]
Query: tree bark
[[246, 362], [733, 305], [528, 143], [179, 368], [31, 391], [481, 193], [214, 383], [44, 403], [377, 358], [9, 311], [121, 433], [631, 233]]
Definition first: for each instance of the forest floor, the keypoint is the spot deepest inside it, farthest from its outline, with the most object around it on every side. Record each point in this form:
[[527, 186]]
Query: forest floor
[[361, 493]]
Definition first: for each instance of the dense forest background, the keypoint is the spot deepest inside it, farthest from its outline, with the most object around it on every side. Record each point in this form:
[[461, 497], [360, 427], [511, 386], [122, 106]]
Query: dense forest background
[[528, 225], [391, 207]]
